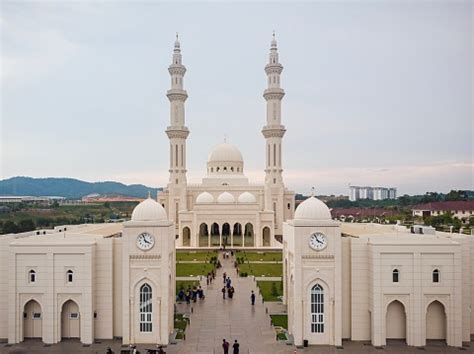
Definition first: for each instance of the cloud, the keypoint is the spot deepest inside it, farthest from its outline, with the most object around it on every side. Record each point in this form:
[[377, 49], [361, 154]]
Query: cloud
[[42, 51]]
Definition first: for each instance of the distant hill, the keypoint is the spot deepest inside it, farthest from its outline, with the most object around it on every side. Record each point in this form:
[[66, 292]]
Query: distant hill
[[70, 188]]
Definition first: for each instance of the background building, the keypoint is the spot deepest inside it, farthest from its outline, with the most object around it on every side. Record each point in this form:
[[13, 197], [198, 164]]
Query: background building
[[373, 193]]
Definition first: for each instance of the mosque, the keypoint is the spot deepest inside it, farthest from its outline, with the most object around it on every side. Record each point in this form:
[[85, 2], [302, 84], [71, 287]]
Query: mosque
[[225, 209], [360, 282]]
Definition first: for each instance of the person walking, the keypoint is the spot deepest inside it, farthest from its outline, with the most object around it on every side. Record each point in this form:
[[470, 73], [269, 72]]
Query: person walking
[[223, 292], [236, 347], [252, 298], [225, 346], [224, 276]]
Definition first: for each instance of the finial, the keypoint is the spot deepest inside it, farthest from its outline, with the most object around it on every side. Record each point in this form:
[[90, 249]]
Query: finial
[[177, 36], [312, 191], [273, 33], [274, 42]]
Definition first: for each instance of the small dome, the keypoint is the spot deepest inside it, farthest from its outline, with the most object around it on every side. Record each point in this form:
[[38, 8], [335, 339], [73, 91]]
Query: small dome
[[225, 152], [247, 197], [205, 197], [149, 210], [225, 197], [312, 209]]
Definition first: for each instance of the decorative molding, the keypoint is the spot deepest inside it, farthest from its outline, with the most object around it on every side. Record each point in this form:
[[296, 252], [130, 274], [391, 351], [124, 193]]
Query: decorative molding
[[145, 256], [273, 93], [176, 69], [177, 95], [273, 68], [277, 132], [317, 256], [180, 133]]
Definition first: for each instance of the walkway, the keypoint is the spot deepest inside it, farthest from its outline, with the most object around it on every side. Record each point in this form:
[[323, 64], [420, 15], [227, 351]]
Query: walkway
[[215, 319]]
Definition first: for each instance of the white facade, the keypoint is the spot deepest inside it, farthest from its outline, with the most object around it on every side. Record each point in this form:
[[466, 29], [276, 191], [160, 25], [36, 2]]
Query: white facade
[[86, 281], [225, 209], [377, 282]]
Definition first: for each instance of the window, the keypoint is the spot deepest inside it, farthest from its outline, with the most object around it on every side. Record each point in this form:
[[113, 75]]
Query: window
[[212, 169], [217, 169], [145, 308], [232, 169], [74, 315], [395, 276], [274, 181], [225, 168], [317, 309], [289, 206], [36, 315], [32, 276], [436, 276], [69, 276]]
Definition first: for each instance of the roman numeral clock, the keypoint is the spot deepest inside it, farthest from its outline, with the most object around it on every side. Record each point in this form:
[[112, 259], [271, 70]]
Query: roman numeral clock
[[318, 241]]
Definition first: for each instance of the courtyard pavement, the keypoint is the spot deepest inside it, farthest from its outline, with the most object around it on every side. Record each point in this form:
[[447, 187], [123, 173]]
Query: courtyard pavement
[[214, 319]]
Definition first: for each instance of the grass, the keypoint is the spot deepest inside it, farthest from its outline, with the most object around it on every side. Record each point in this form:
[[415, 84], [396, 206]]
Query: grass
[[280, 320], [261, 256], [194, 256], [180, 323], [267, 292], [262, 269], [193, 269], [184, 284]]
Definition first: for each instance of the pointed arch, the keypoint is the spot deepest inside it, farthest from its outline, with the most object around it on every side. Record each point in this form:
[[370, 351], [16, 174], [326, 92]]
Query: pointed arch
[[32, 319], [249, 239], [70, 320], [203, 235], [215, 235], [186, 236], [266, 237], [395, 321], [436, 321], [226, 234], [237, 235]]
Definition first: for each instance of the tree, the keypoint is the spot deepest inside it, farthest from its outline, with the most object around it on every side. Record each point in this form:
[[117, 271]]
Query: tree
[[107, 205], [9, 227], [26, 225]]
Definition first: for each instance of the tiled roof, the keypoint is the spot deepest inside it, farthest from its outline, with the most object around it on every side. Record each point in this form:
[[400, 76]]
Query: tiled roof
[[361, 212], [442, 206]]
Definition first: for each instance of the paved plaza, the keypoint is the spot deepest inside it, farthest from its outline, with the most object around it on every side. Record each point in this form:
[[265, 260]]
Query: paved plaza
[[215, 319]]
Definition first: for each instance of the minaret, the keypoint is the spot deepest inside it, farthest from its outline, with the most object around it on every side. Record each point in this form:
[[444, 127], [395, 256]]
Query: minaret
[[273, 131], [177, 133]]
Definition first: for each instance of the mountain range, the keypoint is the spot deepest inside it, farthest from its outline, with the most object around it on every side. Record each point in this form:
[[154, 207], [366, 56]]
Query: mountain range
[[70, 188]]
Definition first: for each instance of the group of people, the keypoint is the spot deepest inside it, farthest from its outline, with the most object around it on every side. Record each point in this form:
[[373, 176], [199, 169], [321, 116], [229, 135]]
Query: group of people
[[133, 350], [191, 294], [210, 277], [226, 346], [227, 287]]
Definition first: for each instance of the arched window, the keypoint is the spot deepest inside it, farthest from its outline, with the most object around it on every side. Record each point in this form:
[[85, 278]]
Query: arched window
[[212, 169], [395, 276], [145, 308], [232, 169], [32, 276], [436, 276], [217, 169], [225, 168], [317, 309], [69, 276]]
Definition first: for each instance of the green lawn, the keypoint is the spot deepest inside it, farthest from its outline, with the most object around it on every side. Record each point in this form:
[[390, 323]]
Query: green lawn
[[194, 256], [184, 284], [280, 320], [269, 292], [262, 269], [193, 269], [261, 256], [180, 323]]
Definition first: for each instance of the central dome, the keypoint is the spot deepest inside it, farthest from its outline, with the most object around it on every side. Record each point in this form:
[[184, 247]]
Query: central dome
[[225, 152]]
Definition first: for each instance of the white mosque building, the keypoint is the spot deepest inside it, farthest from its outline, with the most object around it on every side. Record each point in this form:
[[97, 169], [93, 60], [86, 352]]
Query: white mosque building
[[361, 282], [225, 209]]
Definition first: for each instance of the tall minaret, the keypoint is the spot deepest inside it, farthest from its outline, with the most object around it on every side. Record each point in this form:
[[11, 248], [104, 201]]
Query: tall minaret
[[177, 133], [273, 131]]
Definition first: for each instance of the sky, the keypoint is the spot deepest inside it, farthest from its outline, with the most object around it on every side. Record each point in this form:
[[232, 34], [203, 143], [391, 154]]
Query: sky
[[377, 92]]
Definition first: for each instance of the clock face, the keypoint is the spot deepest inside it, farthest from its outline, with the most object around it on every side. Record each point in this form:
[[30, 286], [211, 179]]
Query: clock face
[[145, 241], [318, 241]]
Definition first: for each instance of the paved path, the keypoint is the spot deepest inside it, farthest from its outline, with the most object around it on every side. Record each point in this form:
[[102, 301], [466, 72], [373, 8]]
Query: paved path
[[216, 318]]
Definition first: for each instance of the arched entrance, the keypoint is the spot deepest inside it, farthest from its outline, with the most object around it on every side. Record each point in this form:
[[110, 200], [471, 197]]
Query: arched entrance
[[70, 320], [435, 321], [226, 234], [237, 235], [32, 320], [186, 236], [203, 235], [248, 235], [215, 235], [395, 321], [266, 237]]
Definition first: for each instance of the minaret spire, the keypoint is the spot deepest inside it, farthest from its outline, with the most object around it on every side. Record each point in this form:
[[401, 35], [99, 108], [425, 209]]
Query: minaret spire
[[273, 131], [177, 133]]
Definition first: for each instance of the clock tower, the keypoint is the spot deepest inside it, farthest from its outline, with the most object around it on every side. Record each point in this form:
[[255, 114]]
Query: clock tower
[[148, 275], [312, 278]]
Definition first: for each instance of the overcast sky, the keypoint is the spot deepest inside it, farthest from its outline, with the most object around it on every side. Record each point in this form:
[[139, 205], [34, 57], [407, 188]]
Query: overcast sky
[[377, 92]]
